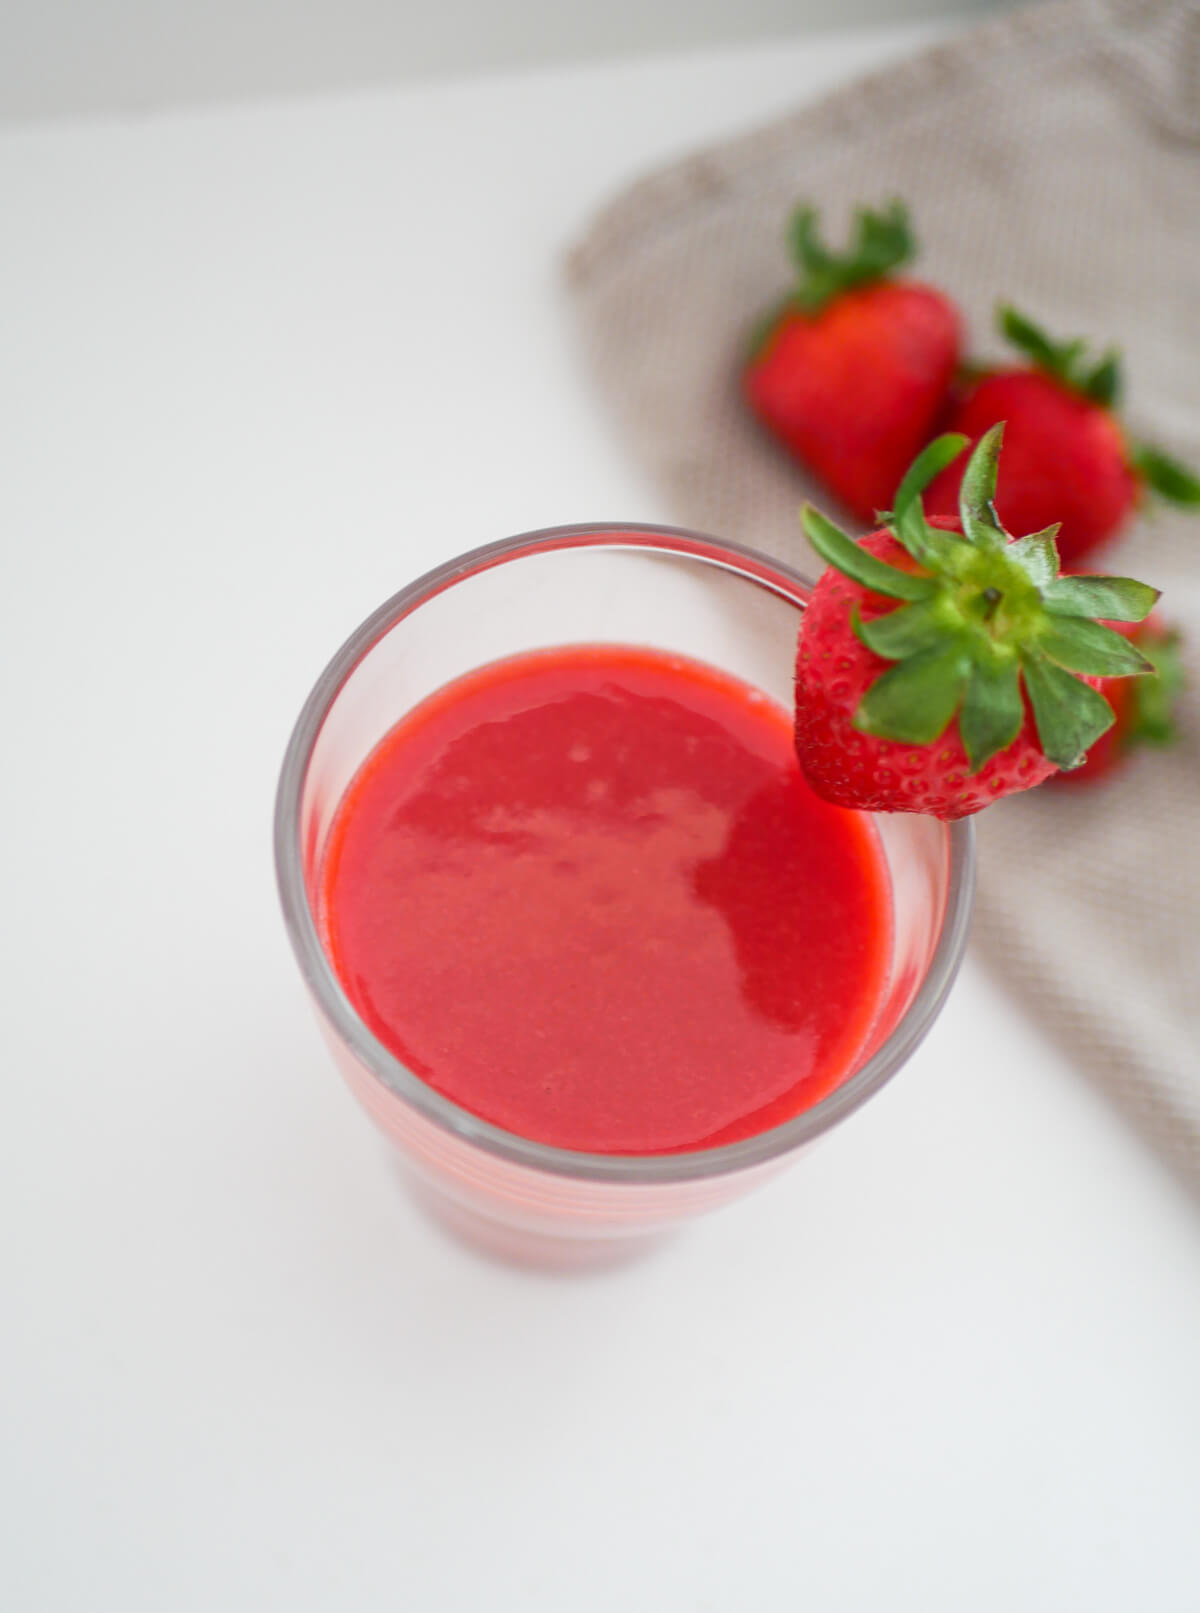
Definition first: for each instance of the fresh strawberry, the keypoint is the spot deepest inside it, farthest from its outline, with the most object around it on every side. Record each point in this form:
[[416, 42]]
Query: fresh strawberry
[[981, 681], [851, 371], [1066, 455], [1143, 708]]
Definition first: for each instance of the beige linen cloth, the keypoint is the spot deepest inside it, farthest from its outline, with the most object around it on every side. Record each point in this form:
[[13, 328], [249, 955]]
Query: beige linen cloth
[[1052, 157]]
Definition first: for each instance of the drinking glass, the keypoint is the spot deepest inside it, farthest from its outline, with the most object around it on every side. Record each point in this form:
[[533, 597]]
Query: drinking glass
[[674, 591]]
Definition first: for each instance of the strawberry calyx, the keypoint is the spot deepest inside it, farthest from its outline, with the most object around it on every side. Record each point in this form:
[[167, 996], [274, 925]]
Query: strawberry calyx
[[1152, 702], [1166, 476], [881, 241], [985, 622], [1100, 380]]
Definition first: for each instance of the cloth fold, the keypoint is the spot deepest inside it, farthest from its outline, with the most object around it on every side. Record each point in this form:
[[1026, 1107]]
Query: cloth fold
[[1053, 158]]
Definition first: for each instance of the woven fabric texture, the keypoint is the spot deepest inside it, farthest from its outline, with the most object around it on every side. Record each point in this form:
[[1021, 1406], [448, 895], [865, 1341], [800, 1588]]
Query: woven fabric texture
[[1052, 157]]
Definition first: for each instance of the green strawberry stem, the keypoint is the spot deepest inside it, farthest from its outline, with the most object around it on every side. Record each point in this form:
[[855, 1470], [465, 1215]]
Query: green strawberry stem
[[881, 242], [1099, 380], [986, 621]]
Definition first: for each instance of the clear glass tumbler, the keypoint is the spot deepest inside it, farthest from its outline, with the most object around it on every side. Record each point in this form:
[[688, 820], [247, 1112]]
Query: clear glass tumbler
[[660, 587]]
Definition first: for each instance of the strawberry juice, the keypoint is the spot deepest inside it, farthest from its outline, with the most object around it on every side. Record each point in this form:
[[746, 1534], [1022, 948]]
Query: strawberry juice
[[585, 894]]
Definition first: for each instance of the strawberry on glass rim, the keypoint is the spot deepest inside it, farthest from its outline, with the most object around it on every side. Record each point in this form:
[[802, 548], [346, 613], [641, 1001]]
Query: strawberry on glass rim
[[943, 663], [1067, 455], [850, 371]]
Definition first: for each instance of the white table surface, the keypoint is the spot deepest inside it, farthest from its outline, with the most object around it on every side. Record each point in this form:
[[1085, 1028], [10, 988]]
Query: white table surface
[[257, 368]]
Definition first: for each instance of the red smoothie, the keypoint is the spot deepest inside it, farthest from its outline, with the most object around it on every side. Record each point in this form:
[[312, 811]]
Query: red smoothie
[[586, 894]]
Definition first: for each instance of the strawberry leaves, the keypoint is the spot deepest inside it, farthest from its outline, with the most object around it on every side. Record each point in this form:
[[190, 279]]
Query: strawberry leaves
[[1070, 715], [1100, 380], [1091, 648], [930, 462], [1101, 383], [882, 241], [984, 623], [1056, 357], [1166, 476], [976, 499], [1154, 697], [915, 701], [1037, 555], [901, 633], [841, 552], [1117, 599], [992, 710]]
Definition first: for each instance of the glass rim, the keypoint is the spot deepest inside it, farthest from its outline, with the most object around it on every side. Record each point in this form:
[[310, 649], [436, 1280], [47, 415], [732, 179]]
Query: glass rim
[[332, 1001]]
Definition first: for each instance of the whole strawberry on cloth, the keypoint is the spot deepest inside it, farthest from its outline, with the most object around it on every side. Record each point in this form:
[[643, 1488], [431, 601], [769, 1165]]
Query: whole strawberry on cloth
[[1143, 708], [850, 372], [943, 664], [1067, 457]]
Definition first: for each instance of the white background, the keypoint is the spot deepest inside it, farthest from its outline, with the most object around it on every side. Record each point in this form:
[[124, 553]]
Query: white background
[[261, 366]]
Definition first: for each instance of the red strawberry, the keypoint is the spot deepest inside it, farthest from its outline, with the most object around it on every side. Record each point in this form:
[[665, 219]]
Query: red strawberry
[[851, 371], [1066, 456], [981, 681], [1142, 707]]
